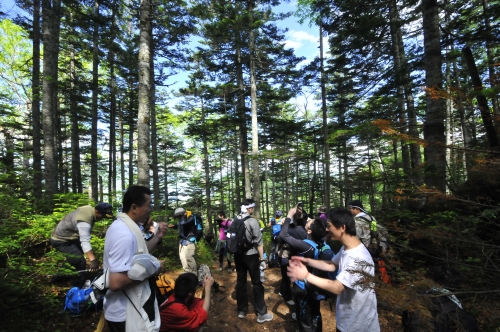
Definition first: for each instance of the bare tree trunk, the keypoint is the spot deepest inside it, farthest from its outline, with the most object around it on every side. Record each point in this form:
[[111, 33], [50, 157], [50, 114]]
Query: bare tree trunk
[[145, 90], [255, 124], [35, 108], [273, 187], [326, 145], [154, 140], [122, 147], [448, 128], [237, 171], [51, 28], [403, 80], [112, 110], [76, 183], [245, 164], [94, 116], [482, 103], [491, 66], [434, 126], [266, 183], [131, 129], [463, 123]]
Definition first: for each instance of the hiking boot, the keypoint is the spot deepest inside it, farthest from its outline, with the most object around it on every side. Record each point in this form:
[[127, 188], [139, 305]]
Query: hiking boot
[[264, 318], [220, 269], [229, 270], [294, 315], [291, 302], [241, 314]]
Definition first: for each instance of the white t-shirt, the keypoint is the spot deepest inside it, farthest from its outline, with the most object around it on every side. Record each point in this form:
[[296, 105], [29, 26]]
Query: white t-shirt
[[356, 308], [120, 245]]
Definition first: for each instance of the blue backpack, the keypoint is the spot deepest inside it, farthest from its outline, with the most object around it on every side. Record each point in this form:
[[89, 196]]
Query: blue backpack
[[78, 300], [276, 229], [198, 224], [318, 254]]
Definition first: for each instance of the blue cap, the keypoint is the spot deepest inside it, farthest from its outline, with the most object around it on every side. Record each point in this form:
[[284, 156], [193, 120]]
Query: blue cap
[[278, 213]]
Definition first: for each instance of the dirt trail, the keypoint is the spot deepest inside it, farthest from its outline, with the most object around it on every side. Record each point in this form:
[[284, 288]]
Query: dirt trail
[[223, 313]]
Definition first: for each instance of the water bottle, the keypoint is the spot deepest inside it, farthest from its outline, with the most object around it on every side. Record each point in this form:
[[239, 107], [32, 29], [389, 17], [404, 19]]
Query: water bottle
[[262, 276]]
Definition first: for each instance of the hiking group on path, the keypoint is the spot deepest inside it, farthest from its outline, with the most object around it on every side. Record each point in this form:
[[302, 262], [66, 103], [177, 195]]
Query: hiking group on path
[[310, 271]]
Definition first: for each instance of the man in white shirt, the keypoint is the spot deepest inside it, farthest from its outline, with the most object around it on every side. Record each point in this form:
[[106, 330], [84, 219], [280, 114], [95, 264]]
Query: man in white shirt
[[356, 308], [130, 304]]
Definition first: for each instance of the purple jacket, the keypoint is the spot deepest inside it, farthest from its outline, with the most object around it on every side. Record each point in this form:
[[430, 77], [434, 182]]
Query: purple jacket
[[223, 229]]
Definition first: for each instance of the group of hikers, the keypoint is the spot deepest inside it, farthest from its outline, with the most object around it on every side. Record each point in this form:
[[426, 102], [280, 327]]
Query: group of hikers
[[310, 270]]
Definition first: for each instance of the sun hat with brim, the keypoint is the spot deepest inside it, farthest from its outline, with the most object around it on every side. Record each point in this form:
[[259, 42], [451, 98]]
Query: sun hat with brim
[[105, 209], [179, 212]]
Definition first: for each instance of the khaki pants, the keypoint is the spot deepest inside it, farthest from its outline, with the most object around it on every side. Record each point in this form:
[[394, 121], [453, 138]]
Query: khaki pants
[[186, 255]]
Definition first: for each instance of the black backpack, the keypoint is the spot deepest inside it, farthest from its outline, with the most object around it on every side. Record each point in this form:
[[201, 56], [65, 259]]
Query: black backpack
[[236, 240]]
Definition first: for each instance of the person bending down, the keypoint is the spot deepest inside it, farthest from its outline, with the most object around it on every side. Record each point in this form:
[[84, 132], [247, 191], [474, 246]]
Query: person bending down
[[182, 311]]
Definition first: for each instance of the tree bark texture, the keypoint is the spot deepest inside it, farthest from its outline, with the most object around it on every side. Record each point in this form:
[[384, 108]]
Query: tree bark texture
[[482, 103], [255, 123], [95, 114], [145, 90], [35, 107], [326, 144], [51, 28], [434, 152]]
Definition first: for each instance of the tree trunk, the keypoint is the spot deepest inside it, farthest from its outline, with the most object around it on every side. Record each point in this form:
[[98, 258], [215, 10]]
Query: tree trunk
[[76, 183], [245, 165], [237, 185], [112, 109], [95, 91], [463, 122], [434, 125], [145, 90], [154, 140], [131, 129], [491, 66], [35, 108], [51, 29], [326, 145], [482, 103], [403, 81], [122, 146], [255, 124]]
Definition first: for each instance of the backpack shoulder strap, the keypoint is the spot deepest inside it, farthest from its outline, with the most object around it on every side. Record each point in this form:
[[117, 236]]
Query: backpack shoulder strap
[[314, 245]]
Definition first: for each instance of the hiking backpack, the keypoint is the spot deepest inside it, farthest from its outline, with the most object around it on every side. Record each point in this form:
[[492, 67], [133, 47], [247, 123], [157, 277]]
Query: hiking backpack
[[236, 240], [379, 236], [198, 227], [78, 301], [276, 229], [319, 294]]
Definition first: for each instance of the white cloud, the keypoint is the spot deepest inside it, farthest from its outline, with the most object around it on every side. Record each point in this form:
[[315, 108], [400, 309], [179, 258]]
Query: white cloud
[[292, 44], [302, 35]]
